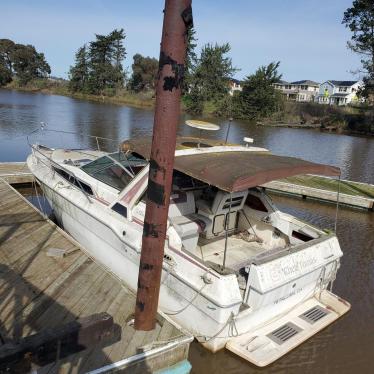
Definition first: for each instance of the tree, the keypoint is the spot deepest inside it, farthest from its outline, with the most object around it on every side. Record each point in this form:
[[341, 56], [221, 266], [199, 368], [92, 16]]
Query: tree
[[105, 55], [119, 55], [28, 63], [210, 78], [78, 73], [259, 98], [360, 20], [6, 49], [213, 71], [144, 73], [5, 74], [190, 61]]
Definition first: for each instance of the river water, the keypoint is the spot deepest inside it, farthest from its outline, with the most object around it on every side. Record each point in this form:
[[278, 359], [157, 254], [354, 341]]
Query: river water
[[347, 346]]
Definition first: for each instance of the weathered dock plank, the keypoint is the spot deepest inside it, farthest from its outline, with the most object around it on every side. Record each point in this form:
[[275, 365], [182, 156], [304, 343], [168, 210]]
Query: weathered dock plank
[[38, 291], [15, 172]]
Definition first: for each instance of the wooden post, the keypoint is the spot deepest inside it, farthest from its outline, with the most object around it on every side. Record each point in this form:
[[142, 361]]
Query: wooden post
[[177, 20]]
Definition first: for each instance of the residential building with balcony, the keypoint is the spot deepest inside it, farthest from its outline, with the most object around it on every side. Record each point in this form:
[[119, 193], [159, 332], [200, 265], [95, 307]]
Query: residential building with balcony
[[339, 92], [301, 91]]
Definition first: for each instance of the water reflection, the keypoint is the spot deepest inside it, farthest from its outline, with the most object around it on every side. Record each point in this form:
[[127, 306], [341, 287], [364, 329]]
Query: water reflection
[[21, 113], [344, 347]]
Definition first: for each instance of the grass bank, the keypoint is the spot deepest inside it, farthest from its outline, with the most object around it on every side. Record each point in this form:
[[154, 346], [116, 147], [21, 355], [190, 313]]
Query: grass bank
[[60, 87], [329, 184], [357, 119]]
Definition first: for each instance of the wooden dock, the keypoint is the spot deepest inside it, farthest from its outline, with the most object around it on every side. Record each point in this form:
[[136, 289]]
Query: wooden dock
[[15, 172], [48, 281], [353, 194]]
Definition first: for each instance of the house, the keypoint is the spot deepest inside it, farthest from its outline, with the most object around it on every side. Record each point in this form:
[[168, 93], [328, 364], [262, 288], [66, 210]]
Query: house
[[302, 91], [234, 85], [339, 92]]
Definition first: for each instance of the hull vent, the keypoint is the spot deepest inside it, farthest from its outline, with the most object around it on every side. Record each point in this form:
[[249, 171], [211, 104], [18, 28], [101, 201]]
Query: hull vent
[[283, 333], [315, 314]]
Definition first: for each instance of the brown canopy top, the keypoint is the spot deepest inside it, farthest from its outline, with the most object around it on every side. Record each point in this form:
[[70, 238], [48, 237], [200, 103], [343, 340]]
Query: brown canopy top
[[233, 170]]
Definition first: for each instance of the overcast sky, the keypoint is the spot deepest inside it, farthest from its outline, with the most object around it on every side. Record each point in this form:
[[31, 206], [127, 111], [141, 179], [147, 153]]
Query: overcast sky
[[306, 36]]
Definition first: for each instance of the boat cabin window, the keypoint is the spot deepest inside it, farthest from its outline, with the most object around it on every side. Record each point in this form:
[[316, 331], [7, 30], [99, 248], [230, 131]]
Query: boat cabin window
[[120, 209], [116, 169], [76, 182]]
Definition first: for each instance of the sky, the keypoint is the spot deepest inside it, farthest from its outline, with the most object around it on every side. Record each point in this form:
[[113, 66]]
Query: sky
[[306, 36]]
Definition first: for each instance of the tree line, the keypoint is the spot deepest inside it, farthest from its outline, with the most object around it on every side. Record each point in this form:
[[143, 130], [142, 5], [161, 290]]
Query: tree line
[[98, 69], [21, 62]]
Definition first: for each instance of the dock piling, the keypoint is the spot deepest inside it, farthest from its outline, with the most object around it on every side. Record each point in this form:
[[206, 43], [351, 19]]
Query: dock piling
[[177, 20]]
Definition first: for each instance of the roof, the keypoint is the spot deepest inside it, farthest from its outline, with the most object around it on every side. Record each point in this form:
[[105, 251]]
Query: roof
[[343, 83], [306, 82], [282, 82], [340, 95], [232, 171]]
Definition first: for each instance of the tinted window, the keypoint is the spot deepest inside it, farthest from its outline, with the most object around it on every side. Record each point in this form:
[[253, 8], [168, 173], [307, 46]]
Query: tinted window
[[117, 170], [120, 209], [255, 203], [70, 178]]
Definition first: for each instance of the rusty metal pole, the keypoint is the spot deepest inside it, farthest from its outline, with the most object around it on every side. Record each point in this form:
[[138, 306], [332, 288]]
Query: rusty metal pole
[[177, 20]]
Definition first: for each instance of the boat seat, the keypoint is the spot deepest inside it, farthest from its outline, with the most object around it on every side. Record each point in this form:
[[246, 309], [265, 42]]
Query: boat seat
[[182, 203], [189, 227]]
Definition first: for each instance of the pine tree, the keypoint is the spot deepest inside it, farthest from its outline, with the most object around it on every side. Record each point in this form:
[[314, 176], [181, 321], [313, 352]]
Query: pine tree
[[105, 55], [259, 98], [78, 73], [191, 60]]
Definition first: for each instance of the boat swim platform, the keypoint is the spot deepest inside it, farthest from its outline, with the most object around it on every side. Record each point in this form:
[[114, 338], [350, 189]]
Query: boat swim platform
[[62, 312]]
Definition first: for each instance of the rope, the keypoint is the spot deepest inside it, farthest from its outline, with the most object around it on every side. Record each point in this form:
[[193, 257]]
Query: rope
[[33, 183], [174, 313]]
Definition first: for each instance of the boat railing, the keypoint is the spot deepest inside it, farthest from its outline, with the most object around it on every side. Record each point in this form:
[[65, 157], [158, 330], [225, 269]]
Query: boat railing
[[71, 140]]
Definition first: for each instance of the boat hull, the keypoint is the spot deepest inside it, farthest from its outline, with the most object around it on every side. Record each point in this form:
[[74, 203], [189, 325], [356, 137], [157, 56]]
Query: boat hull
[[210, 310]]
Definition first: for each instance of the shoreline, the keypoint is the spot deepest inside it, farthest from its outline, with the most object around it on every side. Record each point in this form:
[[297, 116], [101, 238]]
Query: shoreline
[[145, 101], [129, 99]]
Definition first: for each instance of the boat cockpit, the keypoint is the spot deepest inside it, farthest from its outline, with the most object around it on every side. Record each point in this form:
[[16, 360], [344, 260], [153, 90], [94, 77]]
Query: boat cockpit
[[209, 222], [215, 226]]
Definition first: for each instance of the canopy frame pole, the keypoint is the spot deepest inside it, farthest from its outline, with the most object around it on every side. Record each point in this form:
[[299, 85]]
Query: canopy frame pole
[[228, 130], [337, 204], [227, 226], [177, 20]]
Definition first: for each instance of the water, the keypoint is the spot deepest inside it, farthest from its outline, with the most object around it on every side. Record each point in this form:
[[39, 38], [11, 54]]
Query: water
[[344, 347]]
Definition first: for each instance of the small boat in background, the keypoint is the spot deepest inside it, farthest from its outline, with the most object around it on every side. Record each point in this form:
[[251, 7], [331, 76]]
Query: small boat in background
[[237, 272]]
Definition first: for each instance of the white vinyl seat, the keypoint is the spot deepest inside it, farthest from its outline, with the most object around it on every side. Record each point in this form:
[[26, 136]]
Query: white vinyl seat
[[185, 221], [189, 227]]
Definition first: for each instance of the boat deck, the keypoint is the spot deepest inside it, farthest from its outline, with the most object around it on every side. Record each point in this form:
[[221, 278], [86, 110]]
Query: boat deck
[[39, 291], [239, 252]]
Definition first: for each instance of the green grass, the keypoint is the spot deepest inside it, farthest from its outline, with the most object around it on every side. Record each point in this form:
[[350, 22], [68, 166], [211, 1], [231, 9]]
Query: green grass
[[346, 187]]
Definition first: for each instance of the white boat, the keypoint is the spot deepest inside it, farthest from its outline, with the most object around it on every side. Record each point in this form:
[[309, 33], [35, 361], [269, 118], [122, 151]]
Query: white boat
[[237, 271]]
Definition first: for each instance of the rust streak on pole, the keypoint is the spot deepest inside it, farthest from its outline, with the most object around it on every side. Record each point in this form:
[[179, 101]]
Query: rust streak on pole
[[177, 19]]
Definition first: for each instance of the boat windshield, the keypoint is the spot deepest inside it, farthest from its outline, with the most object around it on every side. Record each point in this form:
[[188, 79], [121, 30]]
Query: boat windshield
[[115, 169]]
